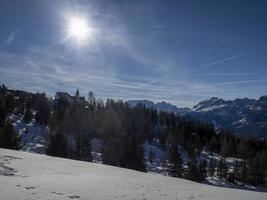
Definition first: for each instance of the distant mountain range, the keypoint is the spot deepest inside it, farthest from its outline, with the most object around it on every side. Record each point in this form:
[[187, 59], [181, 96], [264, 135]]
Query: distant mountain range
[[161, 106], [244, 116]]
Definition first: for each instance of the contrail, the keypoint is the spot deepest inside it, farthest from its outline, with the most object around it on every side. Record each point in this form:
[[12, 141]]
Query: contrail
[[223, 60], [232, 74], [242, 82]]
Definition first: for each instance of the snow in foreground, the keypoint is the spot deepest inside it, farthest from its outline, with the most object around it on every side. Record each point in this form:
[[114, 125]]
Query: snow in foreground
[[33, 176]]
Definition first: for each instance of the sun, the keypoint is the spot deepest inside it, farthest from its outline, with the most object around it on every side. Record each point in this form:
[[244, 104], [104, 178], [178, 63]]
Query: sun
[[79, 28]]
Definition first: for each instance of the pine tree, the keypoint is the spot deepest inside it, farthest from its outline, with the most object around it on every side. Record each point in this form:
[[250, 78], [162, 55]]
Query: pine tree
[[133, 154], [253, 169], [211, 167], [236, 171], [111, 152], [27, 115], [203, 167], [43, 109], [222, 170], [86, 150], [193, 171], [58, 145], [3, 112], [264, 166], [175, 161], [231, 177], [228, 147], [243, 173], [151, 156], [8, 137]]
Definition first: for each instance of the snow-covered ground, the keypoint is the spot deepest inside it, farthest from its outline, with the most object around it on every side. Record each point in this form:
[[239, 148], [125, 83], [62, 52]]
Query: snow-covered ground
[[35, 138], [29, 176]]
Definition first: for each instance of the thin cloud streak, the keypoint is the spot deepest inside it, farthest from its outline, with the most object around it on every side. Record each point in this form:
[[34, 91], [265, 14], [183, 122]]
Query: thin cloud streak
[[241, 82], [231, 74], [223, 60]]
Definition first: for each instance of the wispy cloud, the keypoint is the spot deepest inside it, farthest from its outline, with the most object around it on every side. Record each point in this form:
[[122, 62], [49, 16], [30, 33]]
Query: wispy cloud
[[152, 82], [223, 60], [241, 82], [232, 74], [37, 69], [11, 37]]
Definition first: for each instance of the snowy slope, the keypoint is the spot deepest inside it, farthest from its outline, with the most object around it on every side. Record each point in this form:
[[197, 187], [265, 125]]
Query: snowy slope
[[33, 176]]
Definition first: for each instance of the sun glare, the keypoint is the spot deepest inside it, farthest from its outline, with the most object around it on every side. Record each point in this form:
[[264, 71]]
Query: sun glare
[[78, 28]]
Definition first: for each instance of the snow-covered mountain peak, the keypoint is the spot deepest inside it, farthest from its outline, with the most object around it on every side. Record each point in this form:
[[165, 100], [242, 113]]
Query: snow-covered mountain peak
[[242, 115], [210, 104]]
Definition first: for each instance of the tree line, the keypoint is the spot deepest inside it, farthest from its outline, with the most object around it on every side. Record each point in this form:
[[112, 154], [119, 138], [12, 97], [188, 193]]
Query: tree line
[[124, 130]]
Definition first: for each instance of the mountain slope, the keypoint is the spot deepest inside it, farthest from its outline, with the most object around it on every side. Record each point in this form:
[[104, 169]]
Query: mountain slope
[[244, 116], [32, 176]]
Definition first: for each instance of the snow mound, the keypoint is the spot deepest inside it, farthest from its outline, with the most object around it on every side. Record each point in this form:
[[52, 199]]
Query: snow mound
[[29, 176]]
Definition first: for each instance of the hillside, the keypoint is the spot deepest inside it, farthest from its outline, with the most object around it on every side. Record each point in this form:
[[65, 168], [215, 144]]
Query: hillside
[[33, 176], [138, 138]]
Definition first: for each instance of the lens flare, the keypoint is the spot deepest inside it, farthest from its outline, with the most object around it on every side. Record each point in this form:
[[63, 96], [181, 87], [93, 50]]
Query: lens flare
[[78, 28]]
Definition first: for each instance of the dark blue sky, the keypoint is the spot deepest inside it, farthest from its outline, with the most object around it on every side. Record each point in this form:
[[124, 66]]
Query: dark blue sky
[[177, 51]]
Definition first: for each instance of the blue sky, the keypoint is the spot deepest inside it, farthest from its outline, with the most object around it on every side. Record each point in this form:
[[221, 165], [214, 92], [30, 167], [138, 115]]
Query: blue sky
[[176, 51]]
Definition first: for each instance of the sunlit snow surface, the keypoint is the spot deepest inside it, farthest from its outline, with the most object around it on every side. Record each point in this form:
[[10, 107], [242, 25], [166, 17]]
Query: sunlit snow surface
[[32, 176]]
